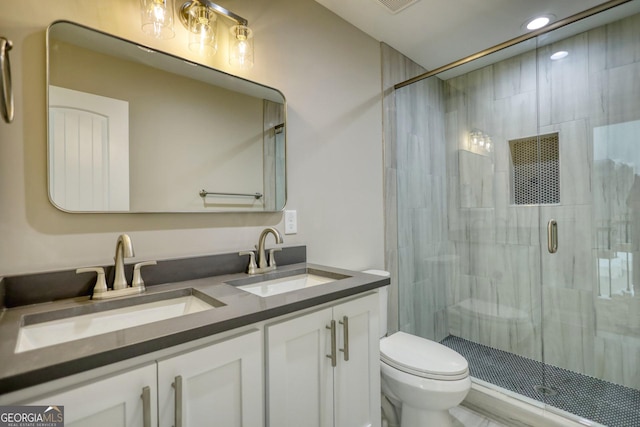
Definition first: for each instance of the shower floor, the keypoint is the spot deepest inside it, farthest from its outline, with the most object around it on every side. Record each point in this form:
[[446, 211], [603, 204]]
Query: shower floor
[[603, 402]]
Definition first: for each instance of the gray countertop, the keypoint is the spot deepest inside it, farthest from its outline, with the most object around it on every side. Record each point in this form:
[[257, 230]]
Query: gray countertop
[[25, 369]]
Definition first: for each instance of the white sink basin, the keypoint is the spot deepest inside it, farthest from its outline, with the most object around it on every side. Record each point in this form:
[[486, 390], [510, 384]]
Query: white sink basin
[[75, 327], [285, 284]]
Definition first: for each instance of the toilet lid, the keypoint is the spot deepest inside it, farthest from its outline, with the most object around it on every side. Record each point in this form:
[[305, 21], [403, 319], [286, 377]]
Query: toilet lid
[[419, 356]]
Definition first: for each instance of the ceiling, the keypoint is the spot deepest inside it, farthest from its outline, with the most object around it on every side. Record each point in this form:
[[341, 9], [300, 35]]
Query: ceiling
[[434, 33]]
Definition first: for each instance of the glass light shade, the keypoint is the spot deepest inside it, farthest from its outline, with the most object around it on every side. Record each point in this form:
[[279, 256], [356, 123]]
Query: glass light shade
[[203, 27], [241, 47], [157, 18]]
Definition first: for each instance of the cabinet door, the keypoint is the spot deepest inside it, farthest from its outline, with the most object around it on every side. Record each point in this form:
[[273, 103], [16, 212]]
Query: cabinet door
[[357, 380], [110, 402], [300, 376], [219, 385]]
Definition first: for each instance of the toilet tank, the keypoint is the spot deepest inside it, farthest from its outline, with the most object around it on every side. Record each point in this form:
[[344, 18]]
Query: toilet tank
[[383, 296]]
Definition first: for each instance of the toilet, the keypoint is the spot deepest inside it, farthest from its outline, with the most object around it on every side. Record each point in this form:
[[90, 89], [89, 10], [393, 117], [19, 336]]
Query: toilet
[[422, 379]]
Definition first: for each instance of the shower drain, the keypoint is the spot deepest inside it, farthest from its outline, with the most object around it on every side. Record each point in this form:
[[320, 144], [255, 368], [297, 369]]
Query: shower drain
[[545, 391]]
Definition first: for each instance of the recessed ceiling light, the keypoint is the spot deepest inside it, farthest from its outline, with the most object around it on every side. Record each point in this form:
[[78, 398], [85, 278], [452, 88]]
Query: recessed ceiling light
[[559, 55], [537, 23]]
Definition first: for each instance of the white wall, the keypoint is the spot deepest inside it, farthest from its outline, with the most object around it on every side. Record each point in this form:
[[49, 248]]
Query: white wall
[[328, 70]]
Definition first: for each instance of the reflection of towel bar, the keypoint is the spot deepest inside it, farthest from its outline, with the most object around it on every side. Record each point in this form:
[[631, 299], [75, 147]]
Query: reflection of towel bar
[[204, 193]]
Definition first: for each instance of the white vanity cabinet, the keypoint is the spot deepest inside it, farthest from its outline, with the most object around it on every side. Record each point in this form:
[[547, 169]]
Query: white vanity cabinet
[[128, 399], [217, 385], [323, 367]]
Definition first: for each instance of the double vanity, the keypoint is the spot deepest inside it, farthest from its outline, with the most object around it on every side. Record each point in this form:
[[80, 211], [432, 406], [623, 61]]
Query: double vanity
[[297, 342], [249, 339]]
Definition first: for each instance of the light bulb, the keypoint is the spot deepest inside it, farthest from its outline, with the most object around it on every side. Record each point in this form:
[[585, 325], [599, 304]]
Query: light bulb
[[159, 12], [157, 18], [202, 25], [241, 47]]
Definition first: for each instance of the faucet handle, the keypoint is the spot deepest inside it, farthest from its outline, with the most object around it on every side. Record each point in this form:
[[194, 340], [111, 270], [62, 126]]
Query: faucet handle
[[252, 261], [137, 275], [101, 284], [272, 259]]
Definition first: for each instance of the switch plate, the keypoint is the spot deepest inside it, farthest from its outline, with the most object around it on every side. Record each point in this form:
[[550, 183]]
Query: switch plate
[[290, 222]]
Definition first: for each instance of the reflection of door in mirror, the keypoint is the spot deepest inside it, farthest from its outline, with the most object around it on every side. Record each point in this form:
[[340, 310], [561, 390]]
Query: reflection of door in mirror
[[89, 151]]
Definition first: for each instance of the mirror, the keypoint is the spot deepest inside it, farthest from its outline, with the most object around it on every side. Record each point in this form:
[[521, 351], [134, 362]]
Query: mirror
[[132, 129]]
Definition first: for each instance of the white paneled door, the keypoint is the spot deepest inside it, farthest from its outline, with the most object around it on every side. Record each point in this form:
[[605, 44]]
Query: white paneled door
[[88, 151]]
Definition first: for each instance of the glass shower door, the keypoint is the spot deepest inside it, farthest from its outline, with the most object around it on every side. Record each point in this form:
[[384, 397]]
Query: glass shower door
[[589, 98]]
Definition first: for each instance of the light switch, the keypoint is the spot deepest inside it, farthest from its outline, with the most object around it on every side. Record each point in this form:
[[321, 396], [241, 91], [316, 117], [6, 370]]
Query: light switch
[[290, 222]]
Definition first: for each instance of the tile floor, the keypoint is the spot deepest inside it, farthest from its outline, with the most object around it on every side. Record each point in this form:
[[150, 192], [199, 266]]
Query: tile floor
[[593, 399]]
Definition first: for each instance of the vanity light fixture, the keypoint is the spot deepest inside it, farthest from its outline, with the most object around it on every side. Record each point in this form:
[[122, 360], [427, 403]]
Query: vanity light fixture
[[200, 16], [157, 18], [480, 142]]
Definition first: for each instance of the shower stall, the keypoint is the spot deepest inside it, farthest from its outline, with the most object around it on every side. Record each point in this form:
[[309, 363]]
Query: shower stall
[[515, 182]]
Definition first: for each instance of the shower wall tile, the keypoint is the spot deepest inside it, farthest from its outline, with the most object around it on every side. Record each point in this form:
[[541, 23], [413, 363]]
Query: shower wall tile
[[570, 306], [565, 80], [481, 226], [395, 68], [622, 42], [406, 314], [523, 226], [576, 157], [502, 182], [476, 180], [573, 265], [516, 118], [479, 99], [515, 75], [597, 41], [453, 134], [568, 346], [623, 103], [617, 316], [569, 329], [458, 287], [617, 360]]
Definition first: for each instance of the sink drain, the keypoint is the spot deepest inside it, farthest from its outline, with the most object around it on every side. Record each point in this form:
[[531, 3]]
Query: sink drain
[[545, 391]]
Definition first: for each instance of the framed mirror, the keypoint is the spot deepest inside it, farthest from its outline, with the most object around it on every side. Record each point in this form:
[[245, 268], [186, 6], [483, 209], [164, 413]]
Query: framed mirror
[[131, 129]]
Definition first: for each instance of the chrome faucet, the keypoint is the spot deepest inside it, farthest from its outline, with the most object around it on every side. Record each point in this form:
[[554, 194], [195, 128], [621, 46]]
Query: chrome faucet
[[264, 263], [124, 249]]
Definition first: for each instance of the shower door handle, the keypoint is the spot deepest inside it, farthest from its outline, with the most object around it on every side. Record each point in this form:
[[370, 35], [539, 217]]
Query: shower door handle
[[552, 236], [6, 97]]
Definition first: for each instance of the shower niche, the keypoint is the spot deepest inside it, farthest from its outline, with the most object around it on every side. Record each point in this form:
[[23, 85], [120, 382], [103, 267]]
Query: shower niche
[[535, 170]]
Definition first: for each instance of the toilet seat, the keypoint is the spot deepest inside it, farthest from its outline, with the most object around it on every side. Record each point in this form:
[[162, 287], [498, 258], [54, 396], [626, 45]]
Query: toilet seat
[[421, 357]]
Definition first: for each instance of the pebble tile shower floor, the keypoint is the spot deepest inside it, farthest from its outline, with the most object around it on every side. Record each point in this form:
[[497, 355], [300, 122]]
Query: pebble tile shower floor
[[603, 402]]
